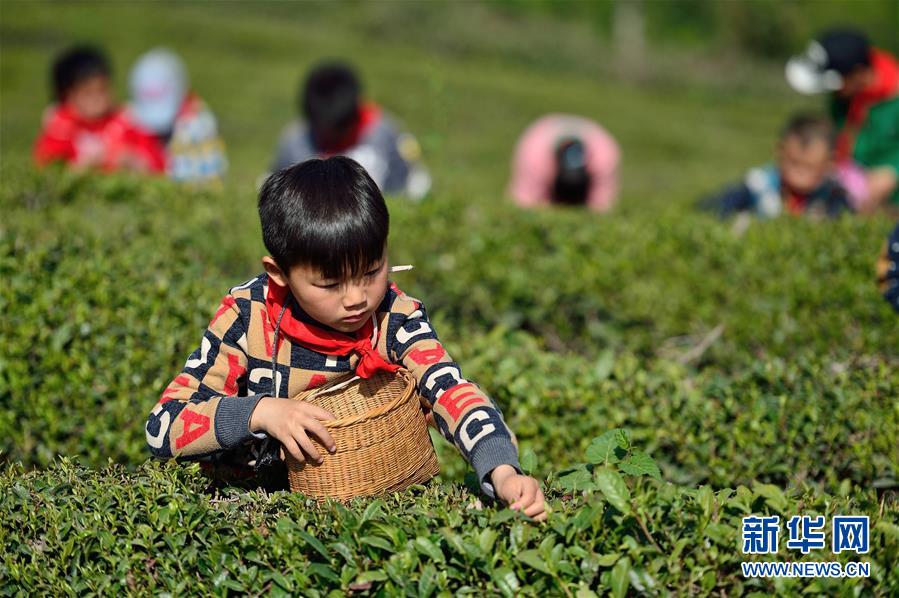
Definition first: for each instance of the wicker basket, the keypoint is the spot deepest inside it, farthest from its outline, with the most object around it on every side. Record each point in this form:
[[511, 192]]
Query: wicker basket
[[381, 436]]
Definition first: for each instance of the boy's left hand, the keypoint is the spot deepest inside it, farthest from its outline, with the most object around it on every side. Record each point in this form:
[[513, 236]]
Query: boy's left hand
[[520, 492]]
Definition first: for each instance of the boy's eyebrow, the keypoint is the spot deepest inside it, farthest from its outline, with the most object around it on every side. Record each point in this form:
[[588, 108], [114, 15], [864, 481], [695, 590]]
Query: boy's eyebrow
[[322, 279]]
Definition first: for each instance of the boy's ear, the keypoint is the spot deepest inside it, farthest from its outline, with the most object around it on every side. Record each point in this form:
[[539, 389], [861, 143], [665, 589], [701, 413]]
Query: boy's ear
[[275, 274]]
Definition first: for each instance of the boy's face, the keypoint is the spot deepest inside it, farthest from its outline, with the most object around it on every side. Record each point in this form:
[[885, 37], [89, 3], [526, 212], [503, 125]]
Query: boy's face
[[343, 305], [803, 166], [92, 97], [855, 82]]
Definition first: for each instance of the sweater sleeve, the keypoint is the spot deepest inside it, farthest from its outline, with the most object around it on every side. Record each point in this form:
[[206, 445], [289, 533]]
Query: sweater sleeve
[[202, 411], [463, 413]]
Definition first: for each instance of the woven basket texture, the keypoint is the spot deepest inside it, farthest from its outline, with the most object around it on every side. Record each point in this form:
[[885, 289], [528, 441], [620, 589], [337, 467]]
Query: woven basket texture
[[381, 435]]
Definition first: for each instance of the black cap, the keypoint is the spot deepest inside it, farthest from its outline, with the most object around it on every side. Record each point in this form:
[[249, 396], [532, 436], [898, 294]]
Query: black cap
[[847, 49], [828, 59]]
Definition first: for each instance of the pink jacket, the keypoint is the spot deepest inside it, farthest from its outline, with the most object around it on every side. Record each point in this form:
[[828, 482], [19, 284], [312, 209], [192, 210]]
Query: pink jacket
[[533, 168]]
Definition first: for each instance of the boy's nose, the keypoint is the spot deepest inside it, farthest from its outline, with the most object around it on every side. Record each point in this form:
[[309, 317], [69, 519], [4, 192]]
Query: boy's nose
[[354, 298]]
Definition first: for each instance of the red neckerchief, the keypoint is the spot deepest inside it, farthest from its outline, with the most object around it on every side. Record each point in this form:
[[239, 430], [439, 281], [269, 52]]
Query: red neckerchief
[[796, 203], [321, 340], [368, 114]]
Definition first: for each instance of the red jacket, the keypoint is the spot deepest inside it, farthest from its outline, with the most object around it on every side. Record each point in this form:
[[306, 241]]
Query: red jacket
[[69, 138]]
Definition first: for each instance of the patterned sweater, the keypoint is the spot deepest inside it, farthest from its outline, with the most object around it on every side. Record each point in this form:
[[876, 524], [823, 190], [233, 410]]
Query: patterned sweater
[[205, 411]]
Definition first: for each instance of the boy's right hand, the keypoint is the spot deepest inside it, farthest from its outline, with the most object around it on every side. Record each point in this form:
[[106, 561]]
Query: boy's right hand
[[291, 422]]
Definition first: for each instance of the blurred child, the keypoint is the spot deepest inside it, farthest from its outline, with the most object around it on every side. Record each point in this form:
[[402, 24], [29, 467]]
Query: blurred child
[[863, 87], [888, 270], [163, 104], [802, 180], [85, 128], [563, 159], [339, 121], [324, 307]]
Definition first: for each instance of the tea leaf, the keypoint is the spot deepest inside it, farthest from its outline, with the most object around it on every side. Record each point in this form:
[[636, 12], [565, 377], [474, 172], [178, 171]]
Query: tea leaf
[[613, 488], [532, 558], [640, 463]]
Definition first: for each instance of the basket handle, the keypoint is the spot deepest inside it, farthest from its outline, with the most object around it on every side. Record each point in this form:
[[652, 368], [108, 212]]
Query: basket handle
[[339, 383]]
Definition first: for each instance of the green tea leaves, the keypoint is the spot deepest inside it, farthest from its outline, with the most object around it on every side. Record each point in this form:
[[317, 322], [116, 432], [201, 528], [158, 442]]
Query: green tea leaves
[[613, 488], [639, 463]]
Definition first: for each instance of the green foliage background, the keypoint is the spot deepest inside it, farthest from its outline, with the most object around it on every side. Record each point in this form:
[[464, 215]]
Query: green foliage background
[[758, 28], [575, 323]]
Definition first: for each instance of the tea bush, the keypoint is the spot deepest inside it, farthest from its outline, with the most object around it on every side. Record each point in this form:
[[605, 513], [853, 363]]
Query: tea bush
[[641, 280], [108, 283], [72, 530]]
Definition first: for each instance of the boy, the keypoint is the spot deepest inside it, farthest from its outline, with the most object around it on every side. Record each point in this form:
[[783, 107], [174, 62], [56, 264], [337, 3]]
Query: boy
[[85, 129], [802, 181], [338, 121], [163, 103], [322, 308]]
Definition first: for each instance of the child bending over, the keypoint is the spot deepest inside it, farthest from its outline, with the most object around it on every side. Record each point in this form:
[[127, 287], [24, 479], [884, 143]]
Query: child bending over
[[311, 318]]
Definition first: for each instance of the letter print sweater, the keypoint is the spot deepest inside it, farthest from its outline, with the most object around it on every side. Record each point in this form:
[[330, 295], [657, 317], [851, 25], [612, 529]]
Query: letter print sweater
[[205, 411]]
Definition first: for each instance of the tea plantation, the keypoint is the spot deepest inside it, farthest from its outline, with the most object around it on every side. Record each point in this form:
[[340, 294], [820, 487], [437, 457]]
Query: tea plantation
[[666, 373]]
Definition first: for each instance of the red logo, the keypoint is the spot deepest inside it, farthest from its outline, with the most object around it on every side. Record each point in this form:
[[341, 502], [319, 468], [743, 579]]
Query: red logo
[[317, 380], [178, 383], [427, 356], [195, 425], [235, 371], [227, 303], [459, 397]]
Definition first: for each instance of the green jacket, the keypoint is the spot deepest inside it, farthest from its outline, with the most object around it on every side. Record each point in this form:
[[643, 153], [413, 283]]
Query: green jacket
[[877, 143]]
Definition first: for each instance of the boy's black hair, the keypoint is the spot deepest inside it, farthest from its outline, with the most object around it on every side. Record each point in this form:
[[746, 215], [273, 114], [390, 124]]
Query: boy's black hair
[[329, 98], [328, 214], [75, 65], [809, 127], [572, 181]]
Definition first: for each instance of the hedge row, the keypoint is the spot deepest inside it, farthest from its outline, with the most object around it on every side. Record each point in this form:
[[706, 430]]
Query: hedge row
[[758, 370], [68, 530], [109, 283]]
